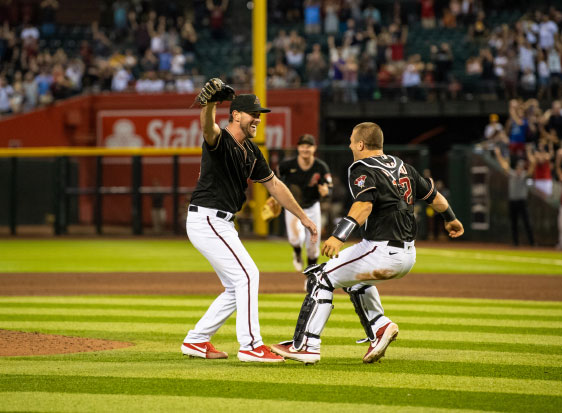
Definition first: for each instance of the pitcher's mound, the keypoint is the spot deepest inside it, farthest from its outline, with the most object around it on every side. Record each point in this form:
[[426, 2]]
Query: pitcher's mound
[[19, 343]]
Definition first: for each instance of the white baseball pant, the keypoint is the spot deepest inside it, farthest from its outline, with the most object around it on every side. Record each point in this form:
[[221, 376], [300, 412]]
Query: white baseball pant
[[365, 263], [297, 233], [218, 241]]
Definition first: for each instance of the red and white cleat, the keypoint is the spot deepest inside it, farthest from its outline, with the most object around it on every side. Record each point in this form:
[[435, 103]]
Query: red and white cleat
[[203, 350], [261, 354], [385, 335], [304, 355]]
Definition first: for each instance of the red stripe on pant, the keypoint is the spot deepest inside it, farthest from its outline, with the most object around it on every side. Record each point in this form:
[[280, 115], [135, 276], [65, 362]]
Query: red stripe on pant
[[245, 272]]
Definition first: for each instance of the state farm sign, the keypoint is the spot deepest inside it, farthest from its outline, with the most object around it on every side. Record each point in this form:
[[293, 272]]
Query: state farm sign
[[177, 128]]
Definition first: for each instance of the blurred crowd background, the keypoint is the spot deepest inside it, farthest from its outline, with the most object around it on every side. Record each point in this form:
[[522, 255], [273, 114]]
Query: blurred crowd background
[[353, 50]]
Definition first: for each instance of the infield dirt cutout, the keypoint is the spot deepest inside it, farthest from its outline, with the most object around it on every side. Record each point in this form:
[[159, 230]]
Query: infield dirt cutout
[[19, 343]]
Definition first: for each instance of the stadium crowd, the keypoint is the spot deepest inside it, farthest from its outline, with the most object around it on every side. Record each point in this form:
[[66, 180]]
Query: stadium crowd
[[349, 49]]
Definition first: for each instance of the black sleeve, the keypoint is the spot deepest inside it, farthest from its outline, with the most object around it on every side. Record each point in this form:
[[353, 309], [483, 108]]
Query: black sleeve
[[361, 180], [261, 172], [282, 170], [425, 188], [325, 175], [218, 147]]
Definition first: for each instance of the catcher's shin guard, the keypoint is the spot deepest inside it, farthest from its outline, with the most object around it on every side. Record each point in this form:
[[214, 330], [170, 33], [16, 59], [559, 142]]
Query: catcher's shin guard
[[316, 307], [361, 308]]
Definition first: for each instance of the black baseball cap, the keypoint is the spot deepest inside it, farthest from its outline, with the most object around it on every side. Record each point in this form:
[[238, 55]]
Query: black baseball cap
[[306, 139], [247, 103]]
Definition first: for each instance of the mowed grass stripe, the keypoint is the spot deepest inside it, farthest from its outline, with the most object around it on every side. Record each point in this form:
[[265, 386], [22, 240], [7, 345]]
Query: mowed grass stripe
[[497, 401], [338, 318], [160, 311], [416, 332], [174, 339], [551, 329], [294, 300], [233, 371], [66, 402]]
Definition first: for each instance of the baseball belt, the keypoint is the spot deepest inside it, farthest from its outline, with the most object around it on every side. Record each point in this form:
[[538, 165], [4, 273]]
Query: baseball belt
[[220, 214]]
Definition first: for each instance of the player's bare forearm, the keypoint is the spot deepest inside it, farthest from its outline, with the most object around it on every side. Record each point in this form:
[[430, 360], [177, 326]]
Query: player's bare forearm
[[281, 193], [360, 211], [211, 130], [454, 227]]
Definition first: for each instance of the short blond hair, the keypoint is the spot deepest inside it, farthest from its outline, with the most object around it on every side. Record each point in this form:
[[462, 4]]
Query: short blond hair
[[371, 135]]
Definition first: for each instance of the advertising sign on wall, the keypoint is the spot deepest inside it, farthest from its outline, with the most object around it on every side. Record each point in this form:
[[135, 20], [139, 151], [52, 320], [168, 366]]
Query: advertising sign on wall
[[177, 128]]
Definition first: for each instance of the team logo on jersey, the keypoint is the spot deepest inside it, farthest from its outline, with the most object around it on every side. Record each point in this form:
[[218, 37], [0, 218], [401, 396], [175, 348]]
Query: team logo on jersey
[[360, 182], [314, 179]]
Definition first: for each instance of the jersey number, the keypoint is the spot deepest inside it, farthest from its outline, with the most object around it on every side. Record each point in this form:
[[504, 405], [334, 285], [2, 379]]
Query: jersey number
[[405, 182]]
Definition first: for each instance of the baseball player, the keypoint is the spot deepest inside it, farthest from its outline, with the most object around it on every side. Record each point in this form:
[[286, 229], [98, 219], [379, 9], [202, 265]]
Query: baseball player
[[229, 159], [309, 180], [384, 190]]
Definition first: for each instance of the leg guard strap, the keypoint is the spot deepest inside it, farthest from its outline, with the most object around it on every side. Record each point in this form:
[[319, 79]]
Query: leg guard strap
[[355, 298]]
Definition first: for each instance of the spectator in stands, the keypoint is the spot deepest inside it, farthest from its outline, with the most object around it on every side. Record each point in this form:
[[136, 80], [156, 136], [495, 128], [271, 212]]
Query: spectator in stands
[[120, 21], [74, 72], [492, 130], [350, 74], [488, 77], [48, 15], [312, 17], [543, 76], [372, 16], [30, 91], [478, 30], [331, 17], [6, 93], [542, 174], [141, 38], [517, 195], [188, 38], [448, 20], [121, 79], [411, 79], [337, 64], [44, 80], [553, 120], [316, 68], [367, 78], [511, 76], [184, 84], [217, 10], [442, 58], [555, 69], [547, 32], [517, 128], [526, 56], [427, 13]]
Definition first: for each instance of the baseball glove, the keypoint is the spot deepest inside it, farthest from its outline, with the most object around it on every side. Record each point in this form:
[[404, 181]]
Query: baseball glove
[[271, 209], [215, 90]]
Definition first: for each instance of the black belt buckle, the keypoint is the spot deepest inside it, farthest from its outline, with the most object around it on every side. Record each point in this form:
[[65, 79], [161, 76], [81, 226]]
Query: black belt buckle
[[221, 214], [193, 208], [397, 244]]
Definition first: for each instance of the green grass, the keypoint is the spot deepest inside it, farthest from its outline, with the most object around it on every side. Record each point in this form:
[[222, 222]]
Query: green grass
[[451, 355], [270, 256]]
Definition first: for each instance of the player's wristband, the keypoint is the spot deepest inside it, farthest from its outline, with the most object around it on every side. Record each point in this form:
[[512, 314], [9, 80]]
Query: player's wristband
[[448, 215], [344, 228]]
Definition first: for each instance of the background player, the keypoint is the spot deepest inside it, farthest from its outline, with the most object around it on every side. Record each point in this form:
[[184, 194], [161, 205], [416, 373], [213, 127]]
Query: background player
[[384, 190], [309, 180], [229, 159]]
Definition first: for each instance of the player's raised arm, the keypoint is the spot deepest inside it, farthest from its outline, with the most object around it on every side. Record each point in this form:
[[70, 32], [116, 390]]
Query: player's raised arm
[[281, 193], [215, 90], [452, 224]]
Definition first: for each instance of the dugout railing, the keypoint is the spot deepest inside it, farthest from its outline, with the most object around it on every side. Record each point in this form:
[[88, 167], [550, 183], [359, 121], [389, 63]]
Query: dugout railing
[[64, 190]]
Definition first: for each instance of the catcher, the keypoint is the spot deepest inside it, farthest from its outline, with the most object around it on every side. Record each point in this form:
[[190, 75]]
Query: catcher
[[309, 180]]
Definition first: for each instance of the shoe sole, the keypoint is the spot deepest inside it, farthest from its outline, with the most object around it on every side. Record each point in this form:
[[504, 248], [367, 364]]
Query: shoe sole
[[389, 336], [251, 359], [192, 353], [196, 354], [303, 358]]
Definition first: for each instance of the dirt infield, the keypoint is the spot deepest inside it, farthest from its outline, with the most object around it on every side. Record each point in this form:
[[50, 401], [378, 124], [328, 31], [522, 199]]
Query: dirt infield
[[494, 286], [18, 343]]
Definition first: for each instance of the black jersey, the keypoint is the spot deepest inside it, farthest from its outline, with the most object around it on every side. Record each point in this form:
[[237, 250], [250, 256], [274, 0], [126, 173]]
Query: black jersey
[[225, 170], [304, 184], [393, 187]]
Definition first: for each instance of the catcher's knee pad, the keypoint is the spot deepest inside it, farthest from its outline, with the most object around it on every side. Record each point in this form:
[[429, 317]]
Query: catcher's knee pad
[[316, 307], [356, 298]]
